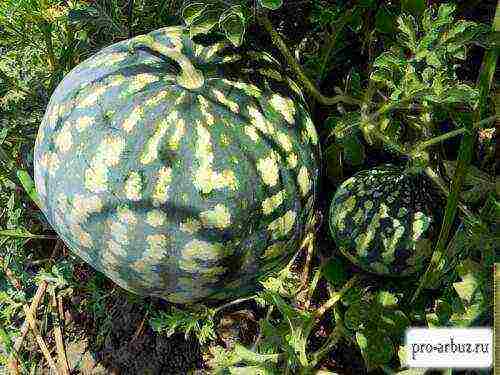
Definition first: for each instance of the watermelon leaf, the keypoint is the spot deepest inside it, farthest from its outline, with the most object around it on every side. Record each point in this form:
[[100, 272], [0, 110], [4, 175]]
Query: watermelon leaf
[[387, 299], [376, 347], [232, 22], [271, 4], [356, 316], [204, 23], [335, 271], [192, 11], [29, 186], [23, 233], [354, 151]]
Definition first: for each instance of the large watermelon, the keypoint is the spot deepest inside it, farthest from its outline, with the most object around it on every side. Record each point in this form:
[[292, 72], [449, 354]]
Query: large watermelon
[[385, 219], [179, 170]]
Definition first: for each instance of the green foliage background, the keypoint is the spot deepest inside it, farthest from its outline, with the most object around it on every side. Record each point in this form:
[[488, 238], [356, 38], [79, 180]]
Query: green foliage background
[[393, 81]]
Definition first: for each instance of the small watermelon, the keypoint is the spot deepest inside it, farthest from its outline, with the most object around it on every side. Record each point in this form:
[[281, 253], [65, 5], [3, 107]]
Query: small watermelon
[[179, 170], [384, 220]]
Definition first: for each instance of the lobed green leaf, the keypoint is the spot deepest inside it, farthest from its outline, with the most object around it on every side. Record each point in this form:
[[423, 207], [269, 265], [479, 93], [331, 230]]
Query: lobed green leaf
[[271, 4], [232, 22]]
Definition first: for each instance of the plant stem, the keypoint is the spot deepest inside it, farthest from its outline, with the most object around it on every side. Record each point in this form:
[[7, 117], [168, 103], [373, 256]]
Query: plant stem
[[235, 302], [438, 139], [331, 341], [333, 39], [372, 130], [109, 19], [431, 173], [335, 297], [30, 322], [270, 310], [309, 245], [400, 149], [40, 292], [130, 14], [39, 339], [13, 234], [20, 178], [464, 158], [337, 333], [47, 36], [58, 335], [453, 133], [367, 97], [329, 49], [487, 121], [312, 286], [295, 66]]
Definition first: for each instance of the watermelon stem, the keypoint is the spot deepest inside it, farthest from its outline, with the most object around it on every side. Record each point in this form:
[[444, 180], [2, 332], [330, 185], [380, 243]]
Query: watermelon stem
[[451, 134], [335, 297], [332, 340], [431, 173], [294, 64], [309, 245], [334, 36], [371, 130], [189, 77], [232, 303], [438, 139]]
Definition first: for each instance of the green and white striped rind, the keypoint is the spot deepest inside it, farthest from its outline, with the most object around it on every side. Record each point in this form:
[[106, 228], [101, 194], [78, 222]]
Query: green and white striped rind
[[382, 220], [172, 190]]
